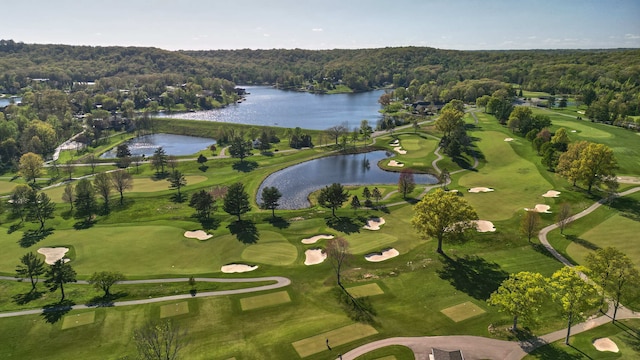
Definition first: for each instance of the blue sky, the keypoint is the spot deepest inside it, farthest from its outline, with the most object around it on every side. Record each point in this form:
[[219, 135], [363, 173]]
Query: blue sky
[[326, 24]]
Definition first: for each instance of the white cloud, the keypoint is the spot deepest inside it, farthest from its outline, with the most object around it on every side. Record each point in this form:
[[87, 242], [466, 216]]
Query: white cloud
[[317, 30], [266, 35], [631, 36]]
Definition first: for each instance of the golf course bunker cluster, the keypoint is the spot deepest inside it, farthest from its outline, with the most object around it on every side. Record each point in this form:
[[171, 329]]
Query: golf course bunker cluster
[[374, 223]]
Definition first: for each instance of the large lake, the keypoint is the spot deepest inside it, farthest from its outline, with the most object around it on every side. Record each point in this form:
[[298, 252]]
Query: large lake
[[268, 106], [298, 181]]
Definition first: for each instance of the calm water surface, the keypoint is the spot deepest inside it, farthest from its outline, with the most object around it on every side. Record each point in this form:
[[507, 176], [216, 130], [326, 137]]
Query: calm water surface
[[268, 106], [298, 181], [172, 144]]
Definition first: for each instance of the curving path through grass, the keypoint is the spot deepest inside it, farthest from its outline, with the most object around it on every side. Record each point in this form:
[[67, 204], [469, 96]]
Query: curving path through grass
[[485, 348], [280, 282]]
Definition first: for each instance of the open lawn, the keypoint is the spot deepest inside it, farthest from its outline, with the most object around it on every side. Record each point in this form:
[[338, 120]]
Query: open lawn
[[365, 290], [260, 301], [462, 311], [395, 352], [343, 335], [169, 310], [79, 319]]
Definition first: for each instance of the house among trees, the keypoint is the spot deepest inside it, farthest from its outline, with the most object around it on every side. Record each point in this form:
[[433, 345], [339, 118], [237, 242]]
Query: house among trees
[[437, 354]]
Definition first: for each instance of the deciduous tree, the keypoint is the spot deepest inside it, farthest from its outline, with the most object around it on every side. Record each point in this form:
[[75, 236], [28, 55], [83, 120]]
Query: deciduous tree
[[31, 267], [333, 196], [615, 273], [121, 181], [68, 195], [569, 162], [521, 296], [339, 255], [159, 341], [530, 224], [236, 201], [103, 186], [30, 166], [104, 280], [442, 215], [406, 182], [574, 295], [596, 162], [564, 216]]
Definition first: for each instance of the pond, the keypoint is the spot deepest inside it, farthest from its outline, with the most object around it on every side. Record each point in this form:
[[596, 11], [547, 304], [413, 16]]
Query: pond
[[172, 144], [298, 181], [6, 101], [269, 106]]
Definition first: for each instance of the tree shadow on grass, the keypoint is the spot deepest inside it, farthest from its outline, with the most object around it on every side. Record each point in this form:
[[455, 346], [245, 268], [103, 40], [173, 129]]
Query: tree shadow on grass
[[209, 223], [31, 237], [53, 312], [178, 198], [84, 224], [13, 228], [245, 231], [108, 301], [550, 352], [582, 242], [245, 166], [472, 275], [345, 224], [203, 168], [22, 299], [628, 207], [278, 221]]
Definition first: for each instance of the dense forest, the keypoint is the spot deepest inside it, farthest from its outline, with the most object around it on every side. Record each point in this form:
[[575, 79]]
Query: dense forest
[[110, 86]]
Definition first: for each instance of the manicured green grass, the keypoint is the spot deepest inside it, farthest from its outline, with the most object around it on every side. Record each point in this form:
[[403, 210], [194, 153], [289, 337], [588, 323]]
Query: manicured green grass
[[365, 290], [153, 185], [516, 179], [6, 187], [462, 311], [530, 94], [79, 319], [625, 334], [176, 309], [272, 254], [340, 336], [261, 301], [396, 352]]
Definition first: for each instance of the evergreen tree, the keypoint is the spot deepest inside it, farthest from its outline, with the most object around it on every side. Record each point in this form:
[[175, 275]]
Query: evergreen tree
[[236, 201]]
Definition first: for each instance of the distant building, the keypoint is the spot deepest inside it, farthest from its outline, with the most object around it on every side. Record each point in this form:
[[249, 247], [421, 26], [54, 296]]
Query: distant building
[[437, 354]]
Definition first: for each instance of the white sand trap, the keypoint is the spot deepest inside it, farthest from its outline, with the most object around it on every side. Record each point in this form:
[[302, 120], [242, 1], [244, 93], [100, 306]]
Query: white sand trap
[[198, 234], [382, 256], [395, 163], [314, 256], [315, 239], [605, 344], [395, 143], [484, 226], [508, 139], [399, 150], [480, 189], [573, 131], [551, 193], [237, 268], [51, 255], [540, 208], [374, 223]]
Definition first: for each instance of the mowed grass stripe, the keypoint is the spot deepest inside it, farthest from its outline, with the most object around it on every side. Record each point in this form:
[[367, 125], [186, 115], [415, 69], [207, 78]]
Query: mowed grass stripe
[[271, 253], [365, 290], [462, 311], [174, 309], [260, 301], [341, 336], [71, 321]]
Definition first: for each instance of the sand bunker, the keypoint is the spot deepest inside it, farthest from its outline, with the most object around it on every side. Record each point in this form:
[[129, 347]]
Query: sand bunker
[[374, 223], [382, 256], [605, 344], [237, 268], [395, 143], [399, 150], [198, 234], [484, 226], [508, 139], [53, 254], [540, 208], [395, 163], [314, 256], [315, 239], [480, 189], [551, 193]]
